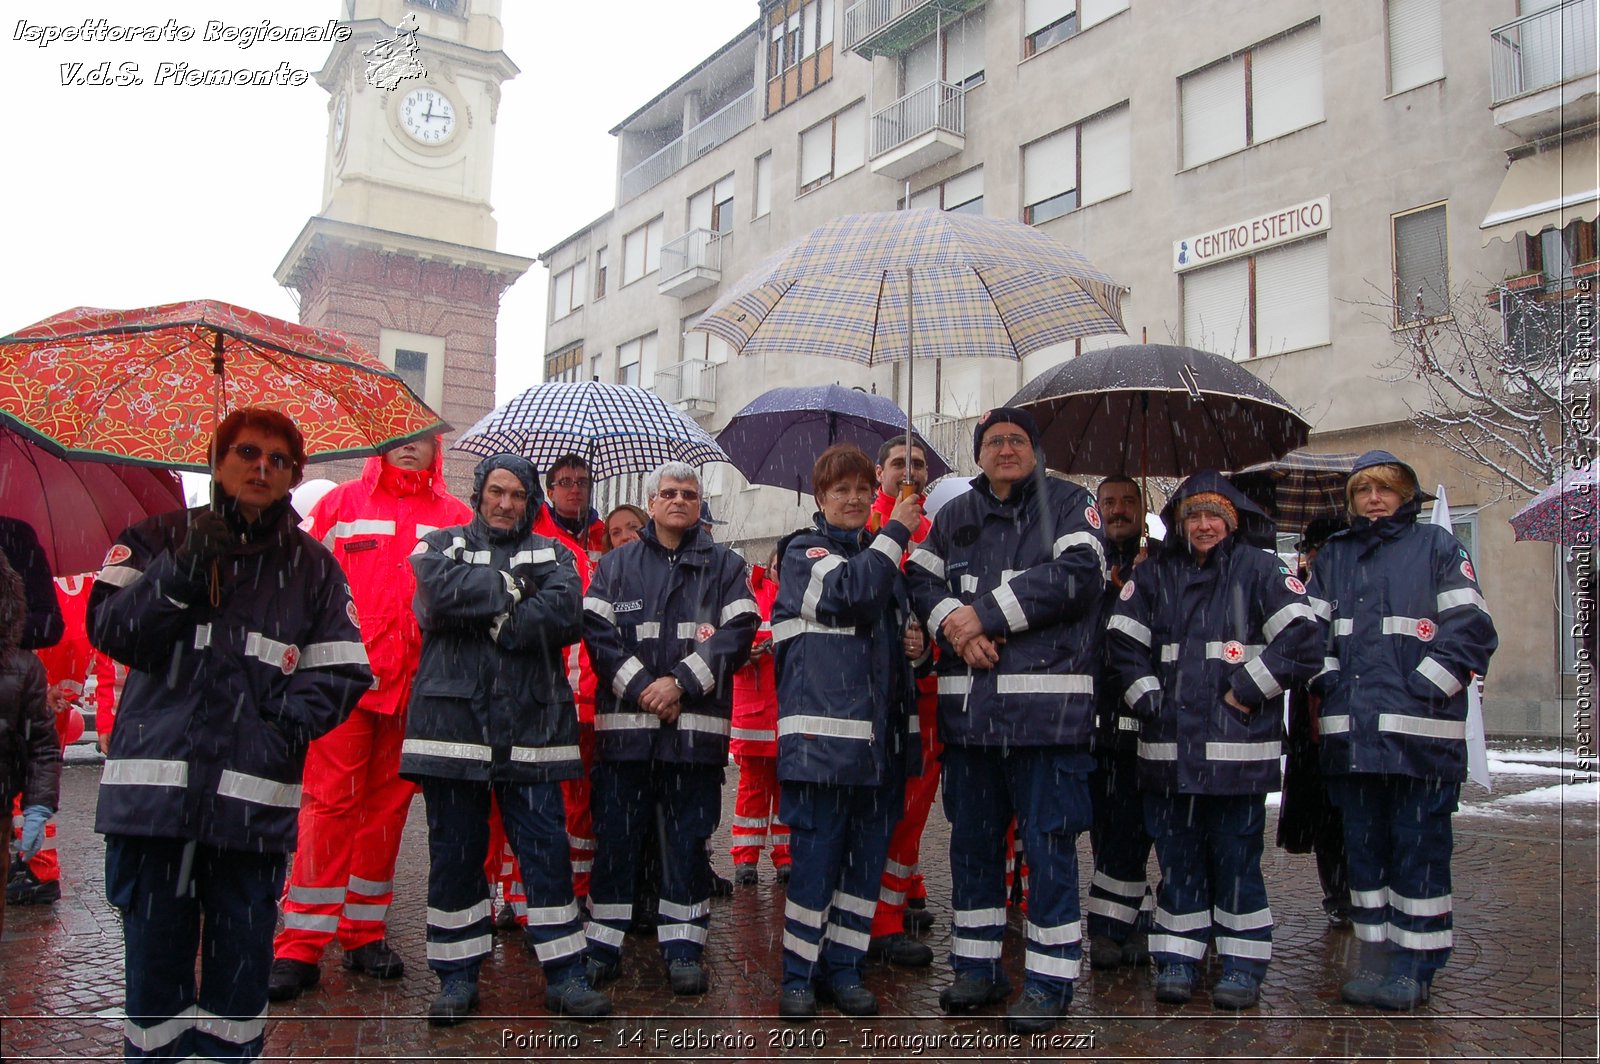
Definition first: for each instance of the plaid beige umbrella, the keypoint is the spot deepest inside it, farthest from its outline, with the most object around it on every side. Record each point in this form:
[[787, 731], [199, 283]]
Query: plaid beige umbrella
[[1298, 488], [883, 287]]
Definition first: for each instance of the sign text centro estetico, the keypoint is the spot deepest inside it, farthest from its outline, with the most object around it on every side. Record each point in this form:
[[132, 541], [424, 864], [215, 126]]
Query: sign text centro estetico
[[1253, 234]]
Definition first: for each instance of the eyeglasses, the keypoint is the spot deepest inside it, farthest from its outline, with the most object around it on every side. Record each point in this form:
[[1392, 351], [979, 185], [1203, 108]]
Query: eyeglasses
[[848, 491], [251, 453], [686, 494], [1016, 443], [568, 483]]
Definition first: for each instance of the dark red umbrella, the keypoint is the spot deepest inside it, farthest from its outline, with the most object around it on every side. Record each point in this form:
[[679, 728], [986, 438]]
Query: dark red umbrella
[[78, 508]]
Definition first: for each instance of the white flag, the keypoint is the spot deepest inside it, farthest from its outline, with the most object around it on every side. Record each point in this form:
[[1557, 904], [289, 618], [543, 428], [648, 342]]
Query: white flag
[[1477, 749]]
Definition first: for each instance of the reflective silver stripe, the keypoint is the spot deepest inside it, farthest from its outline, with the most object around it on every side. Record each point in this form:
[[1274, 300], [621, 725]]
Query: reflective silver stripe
[[754, 735], [460, 951], [1268, 683], [565, 946], [458, 550], [800, 626], [1127, 888], [979, 918], [1465, 596], [607, 936], [1420, 939], [1010, 607], [625, 721], [1081, 539], [793, 910], [1158, 751], [806, 951], [202, 636], [955, 685], [1217, 651], [625, 674], [1129, 724], [1426, 727], [813, 592], [147, 772], [365, 912], [614, 911], [647, 630], [803, 724], [1344, 626], [1243, 751], [1440, 906], [1059, 935], [681, 933], [1183, 921], [316, 895], [1183, 947], [1338, 724], [846, 937], [311, 922], [1320, 607], [1242, 921], [1126, 914], [435, 748], [1328, 665], [1048, 684], [1439, 676], [688, 630], [600, 608], [1402, 626], [321, 655], [895, 868], [120, 576], [942, 609], [578, 842], [921, 556], [892, 897], [980, 949], [738, 608], [164, 1033], [454, 919], [255, 789], [1370, 899], [423, 530], [544, 755], [683, 913], [1144, 685], [852, 904], [559, 914], [886, 546], [700, 670], [266, 650], [363, 527], [1280, 620], [756, 823], [1244, 947], [1368, 932], [537, 556], [1130, 627], [703, 723], [1169, 653], [967, 583], [1044, 964]]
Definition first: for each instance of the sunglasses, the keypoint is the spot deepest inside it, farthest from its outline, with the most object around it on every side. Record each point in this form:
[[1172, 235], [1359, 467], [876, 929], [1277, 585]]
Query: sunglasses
[[251, 453], [685, 494]]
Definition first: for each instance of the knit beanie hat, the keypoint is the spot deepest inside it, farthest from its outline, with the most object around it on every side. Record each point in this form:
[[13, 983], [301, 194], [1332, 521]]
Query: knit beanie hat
[[1210, 502], [1000, 415]]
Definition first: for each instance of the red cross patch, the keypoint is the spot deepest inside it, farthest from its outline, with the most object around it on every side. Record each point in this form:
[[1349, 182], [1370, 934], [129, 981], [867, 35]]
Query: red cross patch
[[1091, 515], [704, 632], [1426, 630], [1466, 571], [1127, 591], [119, 552], [1233, 650], [1295, 585], [350, 612], [291, 659], [817, 552]]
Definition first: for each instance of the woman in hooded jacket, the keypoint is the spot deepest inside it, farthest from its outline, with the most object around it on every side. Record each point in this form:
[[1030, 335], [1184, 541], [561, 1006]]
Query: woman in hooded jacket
[[30, 758]]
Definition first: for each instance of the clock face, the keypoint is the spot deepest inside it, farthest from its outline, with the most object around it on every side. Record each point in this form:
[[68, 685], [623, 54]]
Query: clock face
[[427, 116], [341, 115]]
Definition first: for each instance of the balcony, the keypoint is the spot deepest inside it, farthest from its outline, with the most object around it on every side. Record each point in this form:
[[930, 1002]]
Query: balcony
[[889, 27], [1542, 70], [951, 437], [691, 385], [720, 127], [690, 263], [920, 129]]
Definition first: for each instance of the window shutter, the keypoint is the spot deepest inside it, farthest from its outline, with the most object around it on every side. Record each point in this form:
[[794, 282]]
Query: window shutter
[[825, 20], [633, 256], [764, 185], [1092, 12], [964, 47], [1216, 307], [1421, 257], [927, 199], [1416, 45], [850, 150], [1107, 165], [580, 282], [563, 295], [652, 246], [1213, 112], [816, 153], [1050, 166], [700, 210], [1292, 297], [1286, 84], [920, 65], [647, 361], [1037, 14], [962, 189]]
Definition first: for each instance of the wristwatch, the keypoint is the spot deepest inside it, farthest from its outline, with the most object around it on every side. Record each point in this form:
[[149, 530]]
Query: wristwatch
[[678, 684]]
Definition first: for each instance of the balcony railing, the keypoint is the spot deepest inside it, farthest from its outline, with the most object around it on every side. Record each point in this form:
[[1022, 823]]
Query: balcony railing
[[690, 384], [937, 105], [1542, 50], [698, 249], [693, 143], [867, 19], [951, 437]]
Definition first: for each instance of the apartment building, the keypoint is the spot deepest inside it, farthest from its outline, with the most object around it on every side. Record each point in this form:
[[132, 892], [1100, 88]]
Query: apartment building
[[1294, 185]]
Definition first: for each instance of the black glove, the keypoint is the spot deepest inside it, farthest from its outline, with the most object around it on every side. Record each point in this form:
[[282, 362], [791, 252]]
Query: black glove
[[527, 582], [207, 539]]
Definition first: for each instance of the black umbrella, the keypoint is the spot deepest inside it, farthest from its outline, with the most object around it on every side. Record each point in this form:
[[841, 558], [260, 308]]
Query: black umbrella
[[1157, 410]]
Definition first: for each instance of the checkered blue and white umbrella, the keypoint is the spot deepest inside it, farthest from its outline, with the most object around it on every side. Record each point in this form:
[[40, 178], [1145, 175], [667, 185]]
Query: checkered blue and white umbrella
[[619, 429]]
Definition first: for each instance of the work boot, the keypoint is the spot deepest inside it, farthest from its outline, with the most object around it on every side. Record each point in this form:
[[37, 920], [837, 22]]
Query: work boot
[[973, 991], [900, 950], [1361, 989], [458, 997], [721, 886], [686, 976], [782, 873], [288, 979], [375, 959], [506, 918], [25, 888], [1401, 993], [574, 996], [1036, 1011], [745, 875], [1236, 990], [797, 1003], [1105, 953], [917, 917], [852, 999], [1136, 951], [600, 972], [1175, 983]]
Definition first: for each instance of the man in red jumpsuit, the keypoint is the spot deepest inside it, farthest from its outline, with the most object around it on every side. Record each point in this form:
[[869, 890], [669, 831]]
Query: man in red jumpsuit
[[902, 883], [754, 745], [354, 805]]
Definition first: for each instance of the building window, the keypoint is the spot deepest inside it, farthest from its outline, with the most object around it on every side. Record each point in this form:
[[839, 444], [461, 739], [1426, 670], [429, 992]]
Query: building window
[[763, 196], [636, 361], [702, 346], [1047, 22], [1255, 96], [600, 272], [1421, 264], [1077, 166], [418, 359], [962, 194], [641, 251], [565, 364], [1555, 252], [954, 56], [1416, 43], [833, 147], [799, 50], [712, 207], [566, 290], [1262, 304]]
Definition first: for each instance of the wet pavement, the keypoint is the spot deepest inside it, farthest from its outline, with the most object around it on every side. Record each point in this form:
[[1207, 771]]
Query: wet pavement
[[1521, 985]]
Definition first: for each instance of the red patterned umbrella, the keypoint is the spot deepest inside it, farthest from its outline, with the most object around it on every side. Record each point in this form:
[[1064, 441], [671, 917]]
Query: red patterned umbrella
[[150, 385]]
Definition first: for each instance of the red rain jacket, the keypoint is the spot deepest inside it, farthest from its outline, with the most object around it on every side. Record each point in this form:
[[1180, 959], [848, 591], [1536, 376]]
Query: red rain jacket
[[755, 685]]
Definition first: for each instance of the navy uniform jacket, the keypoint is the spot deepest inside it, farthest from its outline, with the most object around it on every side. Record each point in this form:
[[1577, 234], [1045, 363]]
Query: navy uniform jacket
[[846, 693], [650, 612], [1034, 568], [491, 700], [221, 701]]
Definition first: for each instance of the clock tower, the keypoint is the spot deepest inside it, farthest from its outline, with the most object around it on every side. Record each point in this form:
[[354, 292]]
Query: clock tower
[[402, 255]]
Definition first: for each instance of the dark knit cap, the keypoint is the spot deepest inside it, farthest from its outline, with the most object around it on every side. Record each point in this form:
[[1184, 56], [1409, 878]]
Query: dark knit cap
[[1002, 414]]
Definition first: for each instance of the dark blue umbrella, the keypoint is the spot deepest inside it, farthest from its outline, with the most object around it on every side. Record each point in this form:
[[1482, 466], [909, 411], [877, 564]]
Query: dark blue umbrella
[[776, 438]]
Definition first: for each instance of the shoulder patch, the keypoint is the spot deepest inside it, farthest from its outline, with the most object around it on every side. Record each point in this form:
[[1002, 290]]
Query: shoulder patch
[[1127, 591], [291, 660], [704, 632], [420, 548], [817, 552], [1426, 630], [1466, 571], [118, 553], [1092, 515], [350, 612], [1293, 584]]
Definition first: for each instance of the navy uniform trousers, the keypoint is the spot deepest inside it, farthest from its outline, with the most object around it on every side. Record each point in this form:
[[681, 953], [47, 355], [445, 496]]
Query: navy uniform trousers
[[460, 932], [1119, 898], [1047, 789], [178, 899], [838, 842]]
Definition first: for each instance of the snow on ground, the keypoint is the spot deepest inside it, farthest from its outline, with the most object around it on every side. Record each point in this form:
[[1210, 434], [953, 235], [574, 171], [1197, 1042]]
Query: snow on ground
[[1552, 756], [1569, 795], [1498, 767]]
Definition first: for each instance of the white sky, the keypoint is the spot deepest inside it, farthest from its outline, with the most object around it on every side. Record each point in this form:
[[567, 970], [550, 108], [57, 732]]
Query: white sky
[[129, 196]]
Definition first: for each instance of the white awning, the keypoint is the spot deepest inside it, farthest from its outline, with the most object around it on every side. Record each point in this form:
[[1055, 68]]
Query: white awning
[[1553, 188]]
